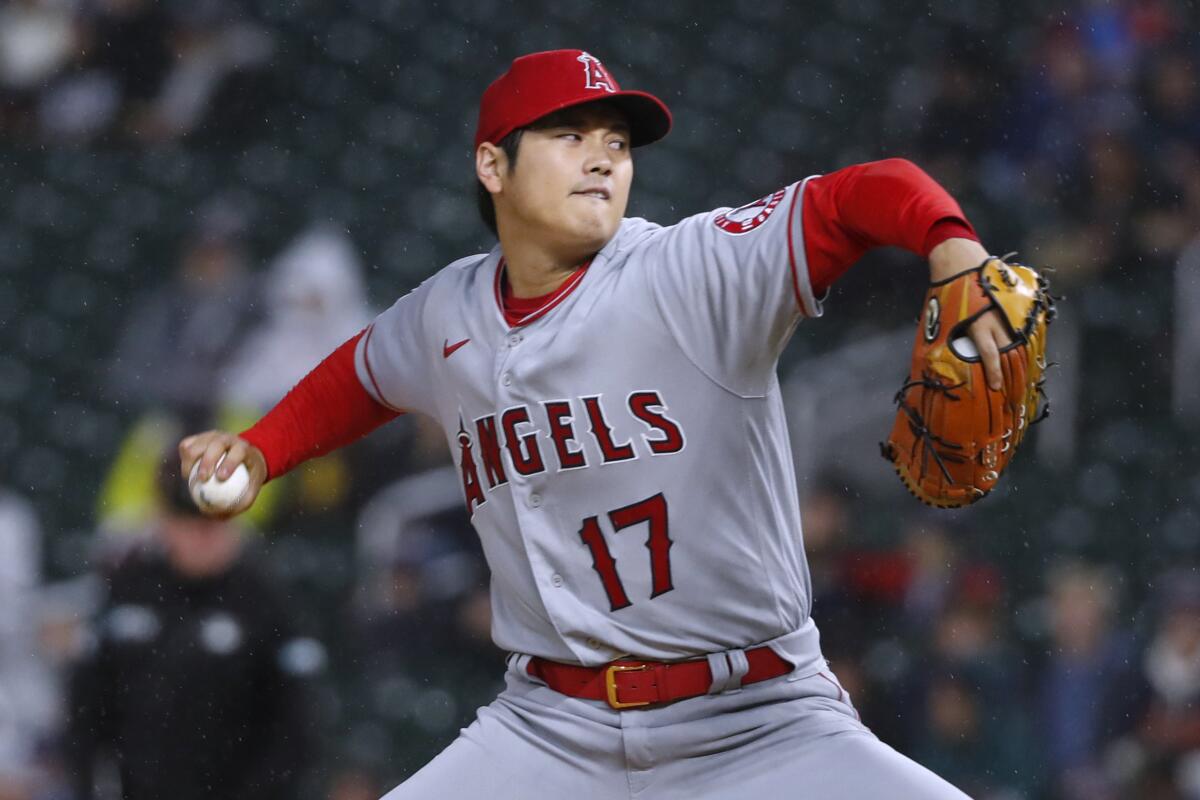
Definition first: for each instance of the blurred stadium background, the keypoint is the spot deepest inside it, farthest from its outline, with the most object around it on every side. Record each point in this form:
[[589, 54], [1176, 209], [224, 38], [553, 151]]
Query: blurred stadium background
[[202, 198]]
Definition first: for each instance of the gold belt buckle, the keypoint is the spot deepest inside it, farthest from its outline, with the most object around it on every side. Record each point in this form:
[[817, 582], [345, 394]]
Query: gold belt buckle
[[610, 684]]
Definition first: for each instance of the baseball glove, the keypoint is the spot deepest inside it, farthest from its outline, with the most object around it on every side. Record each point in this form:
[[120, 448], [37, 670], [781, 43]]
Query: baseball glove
[[953, 436]]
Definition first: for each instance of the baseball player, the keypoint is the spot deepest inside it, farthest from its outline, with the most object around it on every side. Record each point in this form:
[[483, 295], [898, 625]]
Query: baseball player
[[608, 392]]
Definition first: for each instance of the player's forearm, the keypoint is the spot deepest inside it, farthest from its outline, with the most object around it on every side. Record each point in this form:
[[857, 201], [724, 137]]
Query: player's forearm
[[326, 410], [880, 203]]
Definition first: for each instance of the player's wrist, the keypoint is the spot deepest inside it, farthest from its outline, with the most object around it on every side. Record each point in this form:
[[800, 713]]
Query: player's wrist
[[954, 256]]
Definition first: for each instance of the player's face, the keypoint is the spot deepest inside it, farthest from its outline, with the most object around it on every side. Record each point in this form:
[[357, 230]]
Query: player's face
[[570, 185]]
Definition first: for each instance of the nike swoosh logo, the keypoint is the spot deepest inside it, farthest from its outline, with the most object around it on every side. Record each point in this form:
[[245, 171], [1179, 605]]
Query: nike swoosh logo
[[448, 349]]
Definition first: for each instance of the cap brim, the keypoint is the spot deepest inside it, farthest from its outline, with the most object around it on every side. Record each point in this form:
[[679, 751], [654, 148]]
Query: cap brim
[[649, 117]]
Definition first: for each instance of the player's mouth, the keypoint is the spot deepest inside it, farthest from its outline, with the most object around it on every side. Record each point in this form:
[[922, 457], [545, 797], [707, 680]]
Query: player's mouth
[[597, 192]]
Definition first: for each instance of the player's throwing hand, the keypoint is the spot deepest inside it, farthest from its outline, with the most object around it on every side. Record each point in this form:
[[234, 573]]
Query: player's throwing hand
[[207, 449]]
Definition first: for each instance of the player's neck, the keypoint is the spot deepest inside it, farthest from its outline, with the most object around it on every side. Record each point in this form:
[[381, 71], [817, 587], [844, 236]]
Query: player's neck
[[534, 270]]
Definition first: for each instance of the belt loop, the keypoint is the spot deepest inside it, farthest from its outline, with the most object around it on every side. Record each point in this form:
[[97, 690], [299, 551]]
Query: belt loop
[[518, 665], [739, 666], [718, 665]]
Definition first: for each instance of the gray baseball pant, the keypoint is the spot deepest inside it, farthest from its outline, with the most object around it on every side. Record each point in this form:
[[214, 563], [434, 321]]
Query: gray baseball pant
[[795, 737]]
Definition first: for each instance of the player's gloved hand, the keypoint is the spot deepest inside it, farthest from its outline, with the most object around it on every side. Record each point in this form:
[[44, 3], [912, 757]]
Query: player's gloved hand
[[989, 333], [207, 449], [974, 386]]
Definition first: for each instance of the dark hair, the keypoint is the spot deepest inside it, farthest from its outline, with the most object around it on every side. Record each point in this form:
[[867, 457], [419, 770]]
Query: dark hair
[[510, 144]]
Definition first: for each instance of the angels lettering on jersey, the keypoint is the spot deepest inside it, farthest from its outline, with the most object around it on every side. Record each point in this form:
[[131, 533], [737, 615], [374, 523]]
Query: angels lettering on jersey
[[550, 436]]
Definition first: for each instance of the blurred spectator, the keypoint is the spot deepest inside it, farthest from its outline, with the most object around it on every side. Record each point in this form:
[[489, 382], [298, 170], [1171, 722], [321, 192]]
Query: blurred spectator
[[977, 744], [1171, 96], [969, 634], [858, 592], [141, 70], [826, 519], [1084, 696], [314, 300], [198, 684], [124, 57], [962, 705], [215, 75], [935, 560], [181, 332], [425, 657], [37, 39], [29, 706], [1169, 729], [1054, 100], [828, 531]]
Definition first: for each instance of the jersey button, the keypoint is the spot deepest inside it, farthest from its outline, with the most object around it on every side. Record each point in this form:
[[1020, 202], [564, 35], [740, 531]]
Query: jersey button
[[593, 643], [556, 580], [535, 501], [514, 340], [506, 379]]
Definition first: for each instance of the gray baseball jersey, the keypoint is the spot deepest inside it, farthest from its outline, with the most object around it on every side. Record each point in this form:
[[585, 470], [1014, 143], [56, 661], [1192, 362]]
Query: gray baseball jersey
[[625, 460], [624, 453]]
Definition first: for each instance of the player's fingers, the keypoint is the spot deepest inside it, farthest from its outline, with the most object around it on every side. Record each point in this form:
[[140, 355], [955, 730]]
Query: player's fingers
[[999, 329], [234, 456], [214, 448], [990, 334], [989, 354], [191, 448], [242, 452]]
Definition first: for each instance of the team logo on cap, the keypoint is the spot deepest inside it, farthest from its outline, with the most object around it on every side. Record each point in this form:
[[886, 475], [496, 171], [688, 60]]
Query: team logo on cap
[[595, 74], [749, 216]]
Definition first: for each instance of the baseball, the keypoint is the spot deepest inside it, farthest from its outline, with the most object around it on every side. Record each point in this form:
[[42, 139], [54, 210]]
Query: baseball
[[215, 494]]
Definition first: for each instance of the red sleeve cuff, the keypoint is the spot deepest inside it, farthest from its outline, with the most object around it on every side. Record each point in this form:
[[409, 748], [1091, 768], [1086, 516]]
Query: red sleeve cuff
[[947, 228]]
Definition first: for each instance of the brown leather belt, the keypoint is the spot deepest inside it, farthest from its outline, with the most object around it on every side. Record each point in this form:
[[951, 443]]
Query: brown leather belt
[[635, 684]]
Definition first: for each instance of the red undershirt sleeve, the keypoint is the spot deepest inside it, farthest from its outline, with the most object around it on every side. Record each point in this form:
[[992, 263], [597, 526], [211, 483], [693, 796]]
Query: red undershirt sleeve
[[327, 409], [880, 203]]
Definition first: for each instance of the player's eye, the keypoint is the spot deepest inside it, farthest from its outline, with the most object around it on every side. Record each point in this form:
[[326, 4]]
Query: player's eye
[[619, 144], [571, 136]]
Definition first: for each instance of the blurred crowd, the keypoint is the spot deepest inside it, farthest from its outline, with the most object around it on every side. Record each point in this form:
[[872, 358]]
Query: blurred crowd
[[336, 638], [1061, 690], [74, 71]]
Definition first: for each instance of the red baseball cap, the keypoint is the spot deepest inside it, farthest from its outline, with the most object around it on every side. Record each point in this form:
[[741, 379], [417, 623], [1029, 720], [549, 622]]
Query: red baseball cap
[[542, 83]]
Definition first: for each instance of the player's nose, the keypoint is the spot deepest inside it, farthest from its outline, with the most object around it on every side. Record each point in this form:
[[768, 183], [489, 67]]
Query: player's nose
[[599, 166], [599, 160]]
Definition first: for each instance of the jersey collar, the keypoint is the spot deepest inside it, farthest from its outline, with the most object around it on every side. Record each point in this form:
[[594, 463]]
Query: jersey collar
[[619, 240], [551, 300]]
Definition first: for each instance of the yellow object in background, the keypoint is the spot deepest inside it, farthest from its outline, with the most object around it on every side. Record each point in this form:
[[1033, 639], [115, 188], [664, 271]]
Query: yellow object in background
[[128, 498]]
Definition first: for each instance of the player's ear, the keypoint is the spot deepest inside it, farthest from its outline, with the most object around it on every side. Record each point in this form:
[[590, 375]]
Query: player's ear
[[490, 163]]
